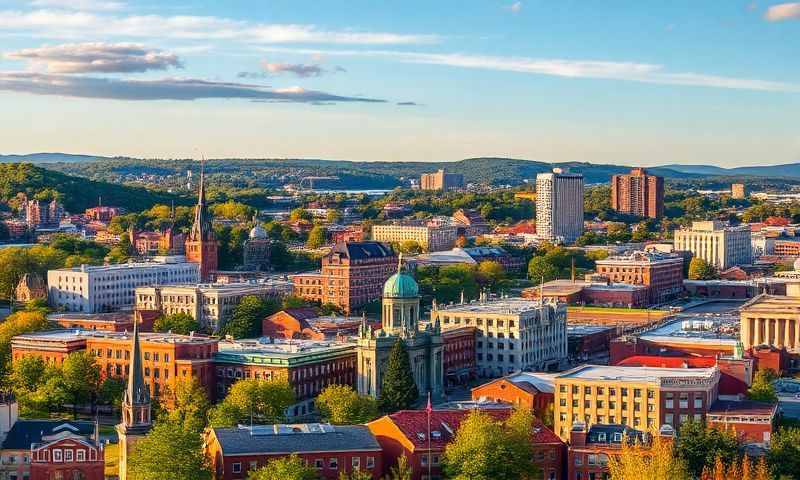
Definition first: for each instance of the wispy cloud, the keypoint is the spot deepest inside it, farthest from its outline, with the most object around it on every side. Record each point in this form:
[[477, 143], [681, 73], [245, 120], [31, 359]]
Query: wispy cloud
[[75, 24], [97, 58], [163, 89], [87, 5], [783, 11], [407, 104], [302, 70], [626, 71], [515, 7]]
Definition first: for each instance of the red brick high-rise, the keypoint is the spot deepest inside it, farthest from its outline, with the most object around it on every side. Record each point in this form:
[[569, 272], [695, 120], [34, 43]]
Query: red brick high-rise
[[201, 244], [638, 193]]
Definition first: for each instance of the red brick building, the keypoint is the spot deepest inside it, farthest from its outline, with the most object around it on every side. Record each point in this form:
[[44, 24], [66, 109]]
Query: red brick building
[[662, 274], [406, 433], [101, 213], [331, 450], [736, 375], [459, 354], [305, 323], [638, 193], [352, 275], [107, 322], [751, 422], [201, 243], [523, 389]]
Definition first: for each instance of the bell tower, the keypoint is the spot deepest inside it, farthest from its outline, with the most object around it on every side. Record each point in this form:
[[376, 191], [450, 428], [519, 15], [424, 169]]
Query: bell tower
[[201, 244]]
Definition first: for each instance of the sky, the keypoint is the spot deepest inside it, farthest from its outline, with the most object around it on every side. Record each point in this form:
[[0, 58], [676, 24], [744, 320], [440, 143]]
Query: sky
[[626, 82]]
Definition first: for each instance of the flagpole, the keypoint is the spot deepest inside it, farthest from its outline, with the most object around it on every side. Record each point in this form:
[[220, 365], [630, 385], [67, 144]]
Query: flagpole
[[430, 457]]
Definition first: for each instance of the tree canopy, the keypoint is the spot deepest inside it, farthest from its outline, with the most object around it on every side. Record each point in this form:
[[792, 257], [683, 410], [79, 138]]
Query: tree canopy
[[245, 322], [341, 405], [181, 323], [398, 390], [263, 401]]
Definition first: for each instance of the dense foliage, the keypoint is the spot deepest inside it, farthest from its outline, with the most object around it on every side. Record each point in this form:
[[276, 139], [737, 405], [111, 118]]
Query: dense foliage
[[398, 390], [341, 405]]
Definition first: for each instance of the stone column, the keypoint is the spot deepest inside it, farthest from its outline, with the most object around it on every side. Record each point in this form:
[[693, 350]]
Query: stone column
[[757, 332], [797, 333], [778, 335], [787, 334]]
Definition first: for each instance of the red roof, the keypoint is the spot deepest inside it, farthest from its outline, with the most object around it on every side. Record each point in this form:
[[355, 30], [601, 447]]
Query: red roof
[[668, 362], [414, 425]]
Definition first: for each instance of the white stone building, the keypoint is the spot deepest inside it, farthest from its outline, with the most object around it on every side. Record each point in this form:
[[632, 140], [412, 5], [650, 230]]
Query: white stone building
[[721, 246], [559, 206]]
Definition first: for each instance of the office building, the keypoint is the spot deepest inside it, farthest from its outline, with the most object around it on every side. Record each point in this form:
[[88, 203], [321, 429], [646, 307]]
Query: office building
[[108, 288], [211, 304], [662, 274], [738, 191], [441, 180], [430, 238], [559, 206], [717, 244], [352, 275], [639, 397], [513, 334], [308, 365], [638, 193]]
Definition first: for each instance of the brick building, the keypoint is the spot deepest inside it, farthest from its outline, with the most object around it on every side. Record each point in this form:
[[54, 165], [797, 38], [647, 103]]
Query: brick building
[[751, 422], [406, 433], [331, 449], [101, 213], [470, 223], [305, 323], [309, 366], [352, 275], [458, 356], [201, 245], [530, 390], [107, 322], [662, 274], [638, 193]]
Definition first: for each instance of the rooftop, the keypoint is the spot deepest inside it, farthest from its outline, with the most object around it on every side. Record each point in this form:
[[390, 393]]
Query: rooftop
[[635, 374], [744, 407], [640, 257], [510, 306], [542, 382], [71, 334], [279, 351], [154, 262], [232, 287], [363, 250], [305, 438], [581, 330], [24, 433], [668, 362], [113, 317], [772, 303]]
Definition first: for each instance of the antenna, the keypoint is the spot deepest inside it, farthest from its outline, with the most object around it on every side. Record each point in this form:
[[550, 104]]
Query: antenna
[[400, 262]]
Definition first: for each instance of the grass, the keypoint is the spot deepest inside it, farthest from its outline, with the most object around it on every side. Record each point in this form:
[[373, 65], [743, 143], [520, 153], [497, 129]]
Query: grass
[[112, 460]]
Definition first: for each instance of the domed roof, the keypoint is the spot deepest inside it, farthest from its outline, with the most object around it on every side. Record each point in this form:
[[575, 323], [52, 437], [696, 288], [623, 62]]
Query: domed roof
[[401, 285], [258, 232]]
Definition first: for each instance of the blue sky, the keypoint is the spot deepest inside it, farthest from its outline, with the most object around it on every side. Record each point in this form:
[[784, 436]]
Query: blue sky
[[640, 83]]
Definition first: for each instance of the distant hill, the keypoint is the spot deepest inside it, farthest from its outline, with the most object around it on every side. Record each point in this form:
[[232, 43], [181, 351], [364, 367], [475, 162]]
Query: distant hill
[[48, 158], [785, 170], [78, 193]]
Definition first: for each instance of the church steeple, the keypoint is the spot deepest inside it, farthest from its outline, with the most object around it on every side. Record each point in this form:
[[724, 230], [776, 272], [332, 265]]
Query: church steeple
[[136, 400], [201, 228], [201, 244]]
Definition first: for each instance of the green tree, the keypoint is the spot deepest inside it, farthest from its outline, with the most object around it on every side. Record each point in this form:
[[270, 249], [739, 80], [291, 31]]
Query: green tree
[[408, 247], [491, 274], [401, 471], [169, 452], [285, 468], [398, 390], [784, 453], [232, 211], [700, 445], [245, 322], [341, 405], [265, 401], [761, 389], [317, 237], [111, 391], [189, 405], [26, 379], [484, 449], [180, 323], [300, 214], [700, 269], [540, 268], [16, 324], [293, 301], [357, 474], [81, 379]]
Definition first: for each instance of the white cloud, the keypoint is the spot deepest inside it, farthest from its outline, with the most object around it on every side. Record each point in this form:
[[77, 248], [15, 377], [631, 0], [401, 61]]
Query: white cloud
[[627, 71], [97, 57], [298, 69], [783, 11], [88, 5], [162, 89], [515, 7], [76, 24]]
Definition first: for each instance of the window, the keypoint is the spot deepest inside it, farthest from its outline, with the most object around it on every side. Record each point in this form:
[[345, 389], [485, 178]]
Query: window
[[587, 390], [57, 455], [624, 392], [333, 463], [80, 455], [637, 393], [592, 459], [370, 462], [236, 467], [562, 388], [698, 402], [423, 460], [668, 419], [612, 391], [578, 460], [612, 405], [684, 401], [253, 465], [319, 463], [356, 462]]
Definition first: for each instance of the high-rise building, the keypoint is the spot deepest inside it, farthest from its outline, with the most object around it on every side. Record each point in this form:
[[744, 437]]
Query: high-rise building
[[738, 191], [559, 206], [441, 180], [638, 193], [201, 244], [721, 246], [40, 214]]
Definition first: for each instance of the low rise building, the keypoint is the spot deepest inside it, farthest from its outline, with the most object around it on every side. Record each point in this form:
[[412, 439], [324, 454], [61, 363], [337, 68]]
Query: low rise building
[[639, 397], [470, 223], [333, 450], [305, 323], [108, 322], [771, 320], [430, 238], [108, 288], [513, 334], [211, 304], [661, 274], [309, 366], [750, 422], [531, 390], [717, 244]]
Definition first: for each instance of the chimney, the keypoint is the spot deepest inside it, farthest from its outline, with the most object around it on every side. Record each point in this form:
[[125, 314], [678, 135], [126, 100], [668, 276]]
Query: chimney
[[577, 435]]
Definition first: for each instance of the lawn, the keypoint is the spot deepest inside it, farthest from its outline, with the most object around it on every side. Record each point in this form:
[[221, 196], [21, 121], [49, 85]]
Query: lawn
[[112, 460]]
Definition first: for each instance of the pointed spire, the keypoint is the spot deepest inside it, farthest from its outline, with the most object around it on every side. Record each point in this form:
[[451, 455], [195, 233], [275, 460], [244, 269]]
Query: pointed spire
[[400, 262], [137, 392], [201, 228], [201, 194]]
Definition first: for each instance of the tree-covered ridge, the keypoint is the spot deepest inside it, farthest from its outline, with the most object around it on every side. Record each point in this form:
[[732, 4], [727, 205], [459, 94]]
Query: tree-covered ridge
[[76, 193]]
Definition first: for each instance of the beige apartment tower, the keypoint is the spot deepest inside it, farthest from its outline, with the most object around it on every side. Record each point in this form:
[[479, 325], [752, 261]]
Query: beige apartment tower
[[559, 206], [441, 180]]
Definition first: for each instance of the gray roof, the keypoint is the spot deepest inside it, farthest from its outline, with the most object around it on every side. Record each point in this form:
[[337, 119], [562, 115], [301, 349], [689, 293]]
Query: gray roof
[[24, 433], [306, 438]]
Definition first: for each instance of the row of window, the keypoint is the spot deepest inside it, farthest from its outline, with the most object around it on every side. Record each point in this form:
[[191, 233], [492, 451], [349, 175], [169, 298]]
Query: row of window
[[319, 463]]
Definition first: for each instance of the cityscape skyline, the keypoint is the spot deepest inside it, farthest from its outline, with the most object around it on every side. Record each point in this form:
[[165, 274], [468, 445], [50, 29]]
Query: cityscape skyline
[[636, 85]]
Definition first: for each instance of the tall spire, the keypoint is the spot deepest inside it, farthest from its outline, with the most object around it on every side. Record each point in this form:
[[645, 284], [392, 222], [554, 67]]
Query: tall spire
[[137, 392], [201, 228], [201, 197]]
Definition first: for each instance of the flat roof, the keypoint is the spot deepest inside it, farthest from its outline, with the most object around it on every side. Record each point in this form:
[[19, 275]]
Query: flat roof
[[579, 330], [634, 374], [260, 349], [513, 305], [71, 334], [216, 287], [177, 260]]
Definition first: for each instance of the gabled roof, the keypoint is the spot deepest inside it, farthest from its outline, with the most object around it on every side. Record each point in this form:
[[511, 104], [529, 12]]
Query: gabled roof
[[301, 438], [362, 250], [25, 433]]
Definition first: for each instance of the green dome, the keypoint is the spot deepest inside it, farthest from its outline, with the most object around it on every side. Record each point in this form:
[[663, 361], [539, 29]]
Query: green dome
[[400, 285]]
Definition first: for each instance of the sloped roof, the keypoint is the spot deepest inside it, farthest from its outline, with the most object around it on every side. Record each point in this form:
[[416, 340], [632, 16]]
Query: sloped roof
[[24, 433], [304, 438], [362, 250]]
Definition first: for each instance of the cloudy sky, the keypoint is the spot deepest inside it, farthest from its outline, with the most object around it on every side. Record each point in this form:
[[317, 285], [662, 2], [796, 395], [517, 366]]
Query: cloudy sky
[[645, 83]]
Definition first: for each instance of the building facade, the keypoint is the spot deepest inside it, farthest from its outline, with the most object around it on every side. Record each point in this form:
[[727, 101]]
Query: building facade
[[309, 366], [30, 287], [351, 276], [108, 288], [400, 314], [332, 450], [738, 191], [662, 274], [513, 334], [441, 180], [638, 193], [771, 320], [211, 304], [559, 206], [201, 244], [717, 244], [256, 249], [639, 397], [41, 214], [430, 238]]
